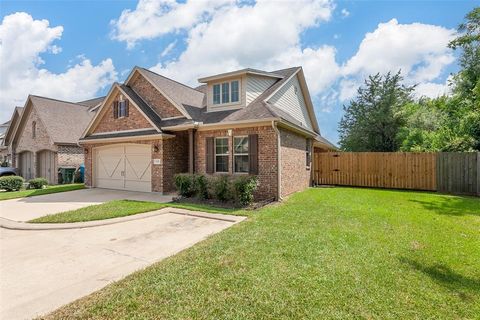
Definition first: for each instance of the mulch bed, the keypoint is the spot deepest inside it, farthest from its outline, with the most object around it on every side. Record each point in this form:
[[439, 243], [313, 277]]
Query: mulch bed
[[221, 204]]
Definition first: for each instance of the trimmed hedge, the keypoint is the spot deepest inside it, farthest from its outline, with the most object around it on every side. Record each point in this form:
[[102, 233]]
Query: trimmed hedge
[[223, 188], [11, 183], [37, 183]]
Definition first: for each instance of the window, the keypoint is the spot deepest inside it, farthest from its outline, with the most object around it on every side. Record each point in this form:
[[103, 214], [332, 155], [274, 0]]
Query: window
[[234, 92], [226, 92], [34, 130], [122, 109], [240, 154], [308, 153], [216, 94], [221, 154]]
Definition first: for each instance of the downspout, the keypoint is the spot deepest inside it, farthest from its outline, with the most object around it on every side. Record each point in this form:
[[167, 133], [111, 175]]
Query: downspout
[[279, 162]]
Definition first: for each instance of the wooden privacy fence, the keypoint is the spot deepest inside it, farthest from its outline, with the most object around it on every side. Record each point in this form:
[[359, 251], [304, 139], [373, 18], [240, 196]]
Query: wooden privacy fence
[[446, 172]]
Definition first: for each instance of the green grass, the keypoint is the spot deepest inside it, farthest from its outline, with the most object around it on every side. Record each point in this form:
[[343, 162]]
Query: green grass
[[119, 208], [38, 192], [335, 253]]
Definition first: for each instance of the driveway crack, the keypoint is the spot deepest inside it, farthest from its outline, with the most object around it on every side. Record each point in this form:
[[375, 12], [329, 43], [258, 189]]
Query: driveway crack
[[126, 255]]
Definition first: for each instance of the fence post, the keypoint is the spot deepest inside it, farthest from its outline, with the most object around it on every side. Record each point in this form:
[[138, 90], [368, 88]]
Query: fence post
[[478, 174]]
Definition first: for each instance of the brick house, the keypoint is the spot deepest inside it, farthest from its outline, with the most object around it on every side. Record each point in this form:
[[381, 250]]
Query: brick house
[[43, 136], [243, 122]]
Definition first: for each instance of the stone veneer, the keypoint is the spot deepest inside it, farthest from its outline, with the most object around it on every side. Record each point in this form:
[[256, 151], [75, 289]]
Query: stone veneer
[[65, 155]]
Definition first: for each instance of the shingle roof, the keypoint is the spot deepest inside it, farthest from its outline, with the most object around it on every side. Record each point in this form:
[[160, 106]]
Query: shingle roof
[[194, 101], [121, 134], [180, 93], [64, 121], [273, 74], [92, 102]]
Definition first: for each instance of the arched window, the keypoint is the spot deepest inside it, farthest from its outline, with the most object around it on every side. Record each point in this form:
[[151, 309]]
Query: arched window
[[34, 129]]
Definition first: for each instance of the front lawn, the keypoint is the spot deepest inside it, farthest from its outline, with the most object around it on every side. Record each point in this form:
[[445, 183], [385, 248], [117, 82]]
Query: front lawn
[[119, 208], [325, 253], [38, 192]]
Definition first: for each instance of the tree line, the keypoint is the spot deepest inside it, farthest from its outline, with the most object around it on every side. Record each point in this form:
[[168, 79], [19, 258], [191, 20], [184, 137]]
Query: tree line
[[385, 116]]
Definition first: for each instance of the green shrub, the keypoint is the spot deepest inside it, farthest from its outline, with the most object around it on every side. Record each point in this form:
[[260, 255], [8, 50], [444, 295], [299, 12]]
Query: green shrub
[[244, 188], [201, 187], [185, 184], [37, 183], [222, 187], [11, 183]]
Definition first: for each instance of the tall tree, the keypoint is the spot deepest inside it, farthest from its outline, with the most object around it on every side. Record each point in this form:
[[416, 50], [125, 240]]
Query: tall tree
[[466, 83], [373, 119]]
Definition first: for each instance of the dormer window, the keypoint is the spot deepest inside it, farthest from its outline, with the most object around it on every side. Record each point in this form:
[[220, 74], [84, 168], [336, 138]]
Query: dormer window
[[226, 92]]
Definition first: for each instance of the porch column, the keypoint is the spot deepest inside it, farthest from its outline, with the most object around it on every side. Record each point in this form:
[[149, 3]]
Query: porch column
[[191, 150]]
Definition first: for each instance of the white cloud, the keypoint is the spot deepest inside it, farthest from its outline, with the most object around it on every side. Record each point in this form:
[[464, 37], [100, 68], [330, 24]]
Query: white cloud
[[419, 50], [168, 49], [22, 41], [432, 89], [153, 18], [252, 35], [228, 35]]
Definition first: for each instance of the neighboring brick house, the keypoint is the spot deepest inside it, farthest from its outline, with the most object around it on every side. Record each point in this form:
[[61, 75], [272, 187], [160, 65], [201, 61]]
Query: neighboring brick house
[[43, 136], [243, 122]]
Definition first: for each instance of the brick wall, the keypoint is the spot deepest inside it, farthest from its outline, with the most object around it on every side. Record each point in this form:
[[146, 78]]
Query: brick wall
[[173, 155], [153, 98], [267, 156], [70, 156], [295, 173], [135, 120], [175, 159]]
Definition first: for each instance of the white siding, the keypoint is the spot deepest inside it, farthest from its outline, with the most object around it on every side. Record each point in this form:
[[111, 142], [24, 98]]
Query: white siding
[[256, 85], [292, 102]]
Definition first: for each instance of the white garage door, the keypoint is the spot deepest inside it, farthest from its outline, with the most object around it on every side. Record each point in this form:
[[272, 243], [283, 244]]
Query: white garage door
[[124, 167]]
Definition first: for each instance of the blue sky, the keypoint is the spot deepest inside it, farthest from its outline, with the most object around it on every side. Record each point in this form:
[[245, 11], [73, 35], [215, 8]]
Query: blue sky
[[97, 45]]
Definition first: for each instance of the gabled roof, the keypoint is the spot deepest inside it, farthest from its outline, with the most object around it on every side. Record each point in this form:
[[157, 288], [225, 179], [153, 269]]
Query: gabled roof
[[63, 120], [14, 120], [192, 101], [179, 94]]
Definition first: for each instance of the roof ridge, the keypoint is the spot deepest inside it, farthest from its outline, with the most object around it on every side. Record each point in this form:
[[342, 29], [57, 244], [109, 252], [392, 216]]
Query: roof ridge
[[53, 99], [182, 84], [90, 99], [279, 70]]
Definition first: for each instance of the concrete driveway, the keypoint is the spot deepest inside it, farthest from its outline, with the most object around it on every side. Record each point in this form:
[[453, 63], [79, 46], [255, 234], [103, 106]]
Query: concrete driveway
[[43, 270], [25, 209]]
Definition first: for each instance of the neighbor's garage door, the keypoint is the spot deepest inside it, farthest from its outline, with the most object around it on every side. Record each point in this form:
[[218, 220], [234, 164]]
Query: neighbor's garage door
[[25, 164], [46, 166], [124, 167]]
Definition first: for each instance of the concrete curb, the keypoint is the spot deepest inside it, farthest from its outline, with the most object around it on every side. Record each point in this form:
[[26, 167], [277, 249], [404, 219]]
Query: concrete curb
[[17, 225]]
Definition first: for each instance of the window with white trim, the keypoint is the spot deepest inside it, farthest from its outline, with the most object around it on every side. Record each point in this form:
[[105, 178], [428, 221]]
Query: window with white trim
[[240, 154], [221, 155], [226, 92]]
